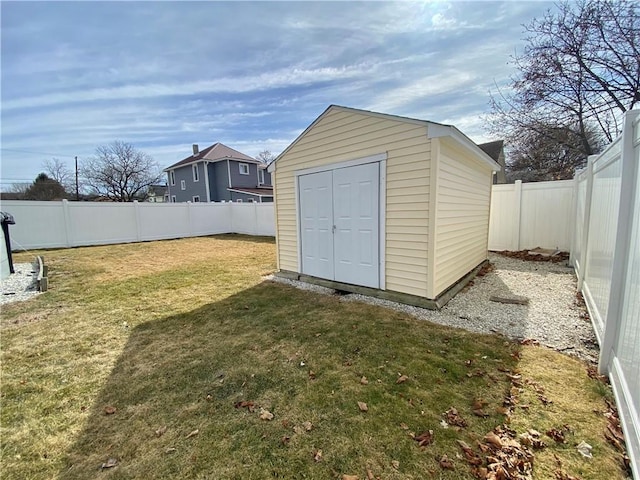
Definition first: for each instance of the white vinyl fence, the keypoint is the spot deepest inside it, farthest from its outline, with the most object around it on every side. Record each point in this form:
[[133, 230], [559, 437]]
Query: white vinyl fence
[[74, 224], [606, 256], [530, 215]]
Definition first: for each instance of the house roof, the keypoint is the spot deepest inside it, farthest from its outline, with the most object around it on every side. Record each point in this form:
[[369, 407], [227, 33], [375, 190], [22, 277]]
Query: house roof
[[261, 192], [213, 153], [434, 129], [493, 149]]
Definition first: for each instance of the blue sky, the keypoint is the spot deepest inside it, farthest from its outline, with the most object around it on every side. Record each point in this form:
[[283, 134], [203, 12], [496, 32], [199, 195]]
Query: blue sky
[[252, 75]]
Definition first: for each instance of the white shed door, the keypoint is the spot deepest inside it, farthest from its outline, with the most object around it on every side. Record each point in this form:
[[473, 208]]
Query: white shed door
[[340, 224], [316, 218]]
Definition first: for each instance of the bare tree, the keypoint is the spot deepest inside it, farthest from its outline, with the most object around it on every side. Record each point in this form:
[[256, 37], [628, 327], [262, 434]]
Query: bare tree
[[58, 171], [266, 157], [579, 71], [120, 172]]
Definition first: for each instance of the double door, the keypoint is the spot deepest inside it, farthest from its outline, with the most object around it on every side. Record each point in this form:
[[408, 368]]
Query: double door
[[339, 224]]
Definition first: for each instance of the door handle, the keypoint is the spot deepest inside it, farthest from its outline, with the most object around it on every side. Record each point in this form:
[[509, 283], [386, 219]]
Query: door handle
[[333, 229]]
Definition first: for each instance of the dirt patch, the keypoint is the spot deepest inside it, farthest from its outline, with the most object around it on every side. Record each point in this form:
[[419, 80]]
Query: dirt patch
[[536, 257], [24, 319]]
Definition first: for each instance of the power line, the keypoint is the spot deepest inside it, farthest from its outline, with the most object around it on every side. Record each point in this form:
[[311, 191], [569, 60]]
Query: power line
[[36, 153]]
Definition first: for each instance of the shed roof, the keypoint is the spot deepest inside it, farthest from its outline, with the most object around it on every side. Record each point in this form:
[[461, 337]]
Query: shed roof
[[213, 153], [434, 129]]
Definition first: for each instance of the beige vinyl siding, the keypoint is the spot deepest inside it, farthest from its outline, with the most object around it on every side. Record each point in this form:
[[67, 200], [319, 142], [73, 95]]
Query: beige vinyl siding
[[346, 135], [462, 215]]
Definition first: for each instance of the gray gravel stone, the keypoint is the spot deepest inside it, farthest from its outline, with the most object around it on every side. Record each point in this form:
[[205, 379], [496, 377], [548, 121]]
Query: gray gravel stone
[[552, 317], [19, 286]]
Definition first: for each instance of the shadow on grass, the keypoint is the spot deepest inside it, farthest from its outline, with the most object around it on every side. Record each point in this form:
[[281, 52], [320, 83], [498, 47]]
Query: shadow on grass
[[301, 356]]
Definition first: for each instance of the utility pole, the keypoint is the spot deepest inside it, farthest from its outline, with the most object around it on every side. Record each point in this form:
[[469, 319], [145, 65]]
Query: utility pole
[[77, 190]]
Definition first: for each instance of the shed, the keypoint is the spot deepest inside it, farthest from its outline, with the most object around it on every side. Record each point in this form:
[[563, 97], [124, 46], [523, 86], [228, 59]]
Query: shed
[[384, 205]]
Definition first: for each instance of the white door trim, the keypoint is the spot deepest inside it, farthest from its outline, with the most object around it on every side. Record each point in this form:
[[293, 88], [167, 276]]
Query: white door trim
[[381, 158], [349, 163]]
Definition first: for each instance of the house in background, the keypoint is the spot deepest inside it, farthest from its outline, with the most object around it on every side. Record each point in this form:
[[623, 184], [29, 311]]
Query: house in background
[[157, 194], [495, 150], [218, 174]]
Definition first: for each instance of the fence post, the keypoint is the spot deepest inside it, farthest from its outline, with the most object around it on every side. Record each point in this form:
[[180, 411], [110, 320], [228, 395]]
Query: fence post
[[518, 212], [189, 218], [584, 241], [67, 222], [619, 284], [574, 221], [255, 219], [136, 209]]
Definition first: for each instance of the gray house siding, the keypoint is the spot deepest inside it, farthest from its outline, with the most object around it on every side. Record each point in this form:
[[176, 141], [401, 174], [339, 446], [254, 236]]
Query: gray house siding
[[219, 180], [267, 177], [240, 180], [245, 197], [192, 188]]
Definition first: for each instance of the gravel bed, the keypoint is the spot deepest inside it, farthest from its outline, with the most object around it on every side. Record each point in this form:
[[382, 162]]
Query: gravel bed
[[19, 286], [553, 316]]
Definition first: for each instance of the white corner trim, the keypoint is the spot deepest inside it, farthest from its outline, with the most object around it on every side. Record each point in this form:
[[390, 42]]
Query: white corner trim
[[349, 163], [382, 215], [229, 172], [435, 130], [206, 181]]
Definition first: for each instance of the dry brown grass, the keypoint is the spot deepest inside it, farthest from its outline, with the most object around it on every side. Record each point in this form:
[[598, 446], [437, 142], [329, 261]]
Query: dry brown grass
[[173, 334]]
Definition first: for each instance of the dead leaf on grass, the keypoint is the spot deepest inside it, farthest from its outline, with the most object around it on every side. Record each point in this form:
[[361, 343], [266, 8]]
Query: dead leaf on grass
[[364, 381], [161, 431], [453, 418], [308, 426], [445, 463], [193, 433], [424, 439], [402, 379], [110, 463], [109, 410], [584, 449], [470, 456], [317, 455], [285, 440], [370, 475], [266, 415], [363, 407], [245, 404], [350, 477], [395, 464], [557, 435], [312, 375], [562, 475]]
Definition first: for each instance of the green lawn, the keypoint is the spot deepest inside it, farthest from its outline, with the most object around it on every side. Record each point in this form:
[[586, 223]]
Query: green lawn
[[142, 355]]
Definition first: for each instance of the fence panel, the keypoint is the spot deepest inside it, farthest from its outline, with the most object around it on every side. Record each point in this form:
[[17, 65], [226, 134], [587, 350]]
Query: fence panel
[[606, 257], [530, 215], [71, 224]]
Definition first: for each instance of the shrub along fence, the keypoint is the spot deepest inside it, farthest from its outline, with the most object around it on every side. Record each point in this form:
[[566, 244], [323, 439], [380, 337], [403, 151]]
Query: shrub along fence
[[74, 224], [606, 256]]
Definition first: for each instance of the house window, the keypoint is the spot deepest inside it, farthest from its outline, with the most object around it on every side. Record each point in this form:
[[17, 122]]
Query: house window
[[261, 176], [251, 200], [196, 199], [239, 200], [196, 176], [172, 177], [183, 185], [244, 169], [173, 199]]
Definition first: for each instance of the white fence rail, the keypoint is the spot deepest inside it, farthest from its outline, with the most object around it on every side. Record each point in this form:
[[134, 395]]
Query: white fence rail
[[606, 256], [74, 224], [530, 215]]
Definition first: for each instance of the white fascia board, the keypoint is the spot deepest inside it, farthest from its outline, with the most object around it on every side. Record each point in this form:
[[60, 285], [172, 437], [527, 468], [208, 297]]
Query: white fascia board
[[436, 130]]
